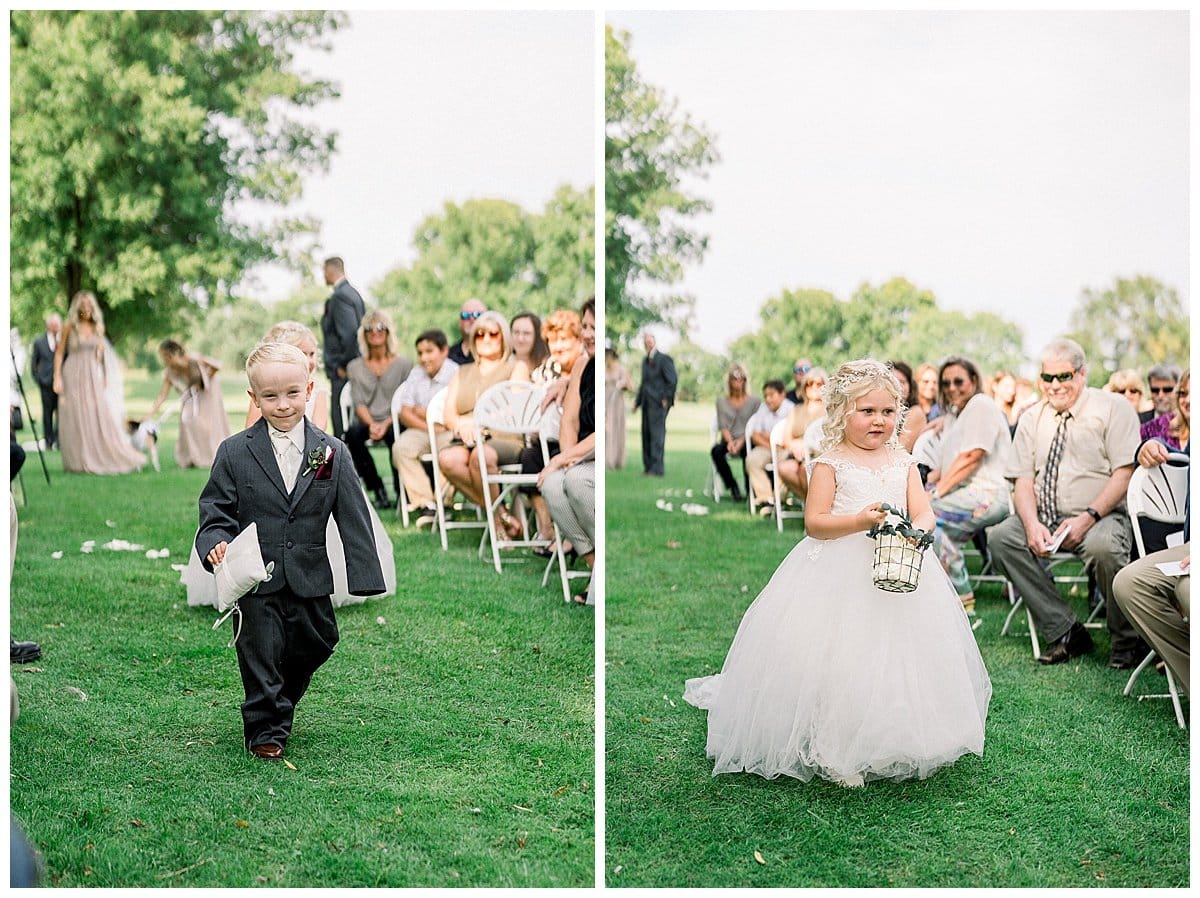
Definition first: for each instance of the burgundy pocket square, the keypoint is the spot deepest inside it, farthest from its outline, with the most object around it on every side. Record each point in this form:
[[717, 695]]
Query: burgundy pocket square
[[325, 469]]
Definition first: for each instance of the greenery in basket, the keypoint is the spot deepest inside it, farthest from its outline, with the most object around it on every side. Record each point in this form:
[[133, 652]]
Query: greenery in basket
[[921, 539]]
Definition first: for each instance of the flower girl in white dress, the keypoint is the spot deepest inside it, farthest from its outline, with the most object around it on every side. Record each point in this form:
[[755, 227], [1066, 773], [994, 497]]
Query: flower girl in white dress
[[828, 674]]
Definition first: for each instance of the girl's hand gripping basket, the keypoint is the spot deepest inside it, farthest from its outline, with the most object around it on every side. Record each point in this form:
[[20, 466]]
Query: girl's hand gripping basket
[[896, 563]]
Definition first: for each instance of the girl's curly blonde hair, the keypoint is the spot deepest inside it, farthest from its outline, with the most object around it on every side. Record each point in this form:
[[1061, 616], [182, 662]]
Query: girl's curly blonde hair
[[850, 381]]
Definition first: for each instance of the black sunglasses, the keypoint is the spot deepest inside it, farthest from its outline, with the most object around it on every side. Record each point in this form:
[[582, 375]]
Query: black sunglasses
[[1061, 378], [955, 382], [378, 328], [1157, 390]]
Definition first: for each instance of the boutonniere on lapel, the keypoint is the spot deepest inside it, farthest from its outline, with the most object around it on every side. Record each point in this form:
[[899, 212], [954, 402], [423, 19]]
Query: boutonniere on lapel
[[319, 460]]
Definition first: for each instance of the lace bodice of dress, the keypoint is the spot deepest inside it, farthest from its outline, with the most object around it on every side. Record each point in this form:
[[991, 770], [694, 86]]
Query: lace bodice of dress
[[858, 486]]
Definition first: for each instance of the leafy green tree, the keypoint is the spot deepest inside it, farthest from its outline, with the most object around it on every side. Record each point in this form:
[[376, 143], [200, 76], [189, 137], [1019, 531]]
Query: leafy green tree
[[494, 251], [795, 324], [1135, 323], [701, 373], [650, 148], [133, 135], [895, 320]]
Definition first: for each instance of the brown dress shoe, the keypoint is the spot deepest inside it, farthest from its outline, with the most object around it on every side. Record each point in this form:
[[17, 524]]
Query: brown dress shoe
[[1078, 641], [268, 751]]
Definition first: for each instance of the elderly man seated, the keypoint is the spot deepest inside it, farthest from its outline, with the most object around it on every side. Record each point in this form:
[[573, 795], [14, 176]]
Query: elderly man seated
[[774, 409], [431, 373], [1159, 603], [1072, 462]]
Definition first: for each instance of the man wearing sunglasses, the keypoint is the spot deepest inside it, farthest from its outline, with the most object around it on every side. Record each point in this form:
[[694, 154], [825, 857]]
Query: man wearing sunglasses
[[1164, 381], [1071, 464], [339, 329], [800, 369], [460, 353]]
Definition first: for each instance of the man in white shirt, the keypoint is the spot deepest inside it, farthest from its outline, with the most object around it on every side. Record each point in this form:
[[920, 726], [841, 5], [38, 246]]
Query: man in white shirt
[[774, 409], [432, 372]]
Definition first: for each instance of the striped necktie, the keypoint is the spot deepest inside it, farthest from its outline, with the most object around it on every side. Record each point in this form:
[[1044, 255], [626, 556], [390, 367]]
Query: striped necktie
[[1047, 496]]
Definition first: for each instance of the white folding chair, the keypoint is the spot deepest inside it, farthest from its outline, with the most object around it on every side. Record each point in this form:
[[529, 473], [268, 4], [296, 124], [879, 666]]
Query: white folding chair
[[511, 406], [435, 415], [778, 436], [346, 401], [712, 481], [1158, 494], [1054, 566], [402, 493]]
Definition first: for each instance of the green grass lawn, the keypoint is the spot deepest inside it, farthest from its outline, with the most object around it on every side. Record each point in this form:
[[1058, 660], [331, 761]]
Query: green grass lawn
[[448, 742], [1078, 786]]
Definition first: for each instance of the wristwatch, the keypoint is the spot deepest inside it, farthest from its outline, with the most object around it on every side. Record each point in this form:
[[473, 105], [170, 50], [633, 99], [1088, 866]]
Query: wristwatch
[[1096, 516]]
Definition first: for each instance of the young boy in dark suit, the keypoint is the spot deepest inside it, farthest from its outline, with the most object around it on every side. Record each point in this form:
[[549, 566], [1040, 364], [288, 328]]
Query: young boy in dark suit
[[287, 477]]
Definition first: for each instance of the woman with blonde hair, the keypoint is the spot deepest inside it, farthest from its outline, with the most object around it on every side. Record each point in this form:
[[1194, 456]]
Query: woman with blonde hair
[[373, 378], [1128, 383], [300, 336], [803, 433], [91, 409], [491, 346], [734, 410]]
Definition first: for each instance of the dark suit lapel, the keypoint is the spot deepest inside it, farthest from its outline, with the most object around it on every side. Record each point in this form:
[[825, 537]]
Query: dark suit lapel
[[259, 441], [313, 439]]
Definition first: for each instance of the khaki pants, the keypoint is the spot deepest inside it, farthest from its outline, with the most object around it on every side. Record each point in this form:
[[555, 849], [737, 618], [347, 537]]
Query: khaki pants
[[1153, 601], [406, 456], [757, 460]]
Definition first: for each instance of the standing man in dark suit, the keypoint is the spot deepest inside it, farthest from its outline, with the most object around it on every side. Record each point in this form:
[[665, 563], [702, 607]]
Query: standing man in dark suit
[[339, 326], [288, 478], [655, 397], [42, 363]]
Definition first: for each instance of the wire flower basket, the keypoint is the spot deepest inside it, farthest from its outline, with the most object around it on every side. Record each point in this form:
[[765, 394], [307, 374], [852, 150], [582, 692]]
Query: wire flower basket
[[896, 565]]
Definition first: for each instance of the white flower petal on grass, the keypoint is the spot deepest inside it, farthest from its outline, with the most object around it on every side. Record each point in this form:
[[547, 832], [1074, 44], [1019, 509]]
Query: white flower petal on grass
[[120, 545], [694, 508], [110, 523], [57, 554], [77, 692], [88, 546], [179, 567], [381, 621]]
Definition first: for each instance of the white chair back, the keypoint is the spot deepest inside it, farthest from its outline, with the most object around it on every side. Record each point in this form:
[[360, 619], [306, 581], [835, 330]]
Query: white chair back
[[1158, 494], [511, 406]]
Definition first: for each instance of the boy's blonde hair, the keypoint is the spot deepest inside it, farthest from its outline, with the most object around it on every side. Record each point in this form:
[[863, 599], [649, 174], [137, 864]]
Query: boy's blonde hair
[[849, 382], [273, 352]]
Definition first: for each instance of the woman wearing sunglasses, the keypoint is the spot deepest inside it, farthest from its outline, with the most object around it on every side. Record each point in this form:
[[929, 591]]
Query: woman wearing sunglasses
[[374, 376], [491, 347], [969, 490]]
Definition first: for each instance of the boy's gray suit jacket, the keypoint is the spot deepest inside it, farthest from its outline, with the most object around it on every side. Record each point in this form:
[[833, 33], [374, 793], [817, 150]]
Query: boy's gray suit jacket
[[245, 485]]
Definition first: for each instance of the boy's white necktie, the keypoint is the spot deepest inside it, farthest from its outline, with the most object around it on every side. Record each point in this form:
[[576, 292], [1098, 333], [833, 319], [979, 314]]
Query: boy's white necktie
[[288, 457]]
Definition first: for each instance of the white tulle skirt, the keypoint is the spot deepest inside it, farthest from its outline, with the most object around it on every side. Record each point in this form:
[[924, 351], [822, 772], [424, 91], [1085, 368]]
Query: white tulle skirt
[[202, 586], [829, 676]]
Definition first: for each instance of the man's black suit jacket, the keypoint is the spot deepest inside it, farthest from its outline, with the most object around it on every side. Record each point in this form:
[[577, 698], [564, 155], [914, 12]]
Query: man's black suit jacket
[[344, 311]]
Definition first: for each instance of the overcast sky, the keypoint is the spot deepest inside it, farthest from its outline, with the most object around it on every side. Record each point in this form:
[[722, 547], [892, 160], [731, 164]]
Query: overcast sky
[[1004, 161], [440, 106]]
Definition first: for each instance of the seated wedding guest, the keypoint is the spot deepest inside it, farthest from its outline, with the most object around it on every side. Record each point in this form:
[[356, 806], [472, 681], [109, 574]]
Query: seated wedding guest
[[300, 336], [91, 401], [460, 352], [914, 416], [793, 470], [203, 423], [775, 408], [1174, 427], [969, 489], [1128, 383], [529, 346], [734, 410], [1159, 604], [374, 376], [569, 481], [927, 390], [1071, 462], [1163, 379], [493, 364], [562, 332], [1004, 391], [617, 383], [800, 369], [431, 373]]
